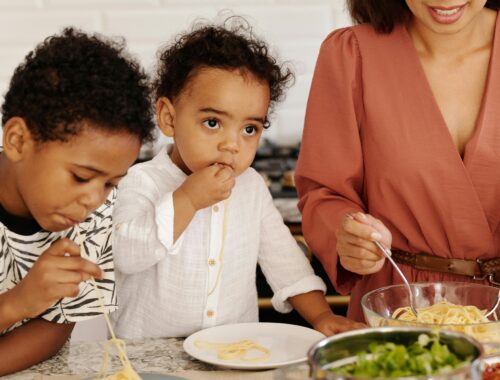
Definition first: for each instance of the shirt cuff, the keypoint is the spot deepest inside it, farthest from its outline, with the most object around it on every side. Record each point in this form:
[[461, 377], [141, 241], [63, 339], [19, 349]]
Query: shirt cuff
[[165, 225], [305, 285]]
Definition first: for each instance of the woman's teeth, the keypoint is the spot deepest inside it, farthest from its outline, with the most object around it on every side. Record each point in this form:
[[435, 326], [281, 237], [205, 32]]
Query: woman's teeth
[[447, 12]]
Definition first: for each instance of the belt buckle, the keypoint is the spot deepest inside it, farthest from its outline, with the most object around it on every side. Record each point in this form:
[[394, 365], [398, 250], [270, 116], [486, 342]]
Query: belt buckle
[[483, 276]]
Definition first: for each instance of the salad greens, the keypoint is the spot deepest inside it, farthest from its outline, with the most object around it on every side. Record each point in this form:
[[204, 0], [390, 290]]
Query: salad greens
[[424, 357]]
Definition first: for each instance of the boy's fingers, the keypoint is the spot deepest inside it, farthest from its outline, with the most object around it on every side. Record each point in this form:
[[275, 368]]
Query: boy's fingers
[[64, 247], [80, 265]]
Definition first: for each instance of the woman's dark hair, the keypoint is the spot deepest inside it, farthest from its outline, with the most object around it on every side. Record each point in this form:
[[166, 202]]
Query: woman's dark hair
[[385, 14], [229, 46], [72, 78]]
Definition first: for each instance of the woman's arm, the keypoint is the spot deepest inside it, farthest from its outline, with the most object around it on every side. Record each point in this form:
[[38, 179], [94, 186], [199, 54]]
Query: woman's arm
[[330, 169]]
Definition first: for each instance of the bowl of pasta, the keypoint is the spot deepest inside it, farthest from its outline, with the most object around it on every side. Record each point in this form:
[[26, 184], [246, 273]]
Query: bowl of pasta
[[452, 306]]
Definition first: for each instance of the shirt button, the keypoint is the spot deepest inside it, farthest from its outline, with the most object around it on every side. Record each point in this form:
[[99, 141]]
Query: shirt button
[[211, 262], [210, 313], [216, 208]]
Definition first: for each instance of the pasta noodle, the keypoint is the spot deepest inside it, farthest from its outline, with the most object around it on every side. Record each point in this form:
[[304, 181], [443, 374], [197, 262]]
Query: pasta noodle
[[237, 350], [467, 319], [127, 372]]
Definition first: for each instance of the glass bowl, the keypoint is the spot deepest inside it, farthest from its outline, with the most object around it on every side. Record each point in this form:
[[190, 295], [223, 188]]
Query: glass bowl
[[379, 305]]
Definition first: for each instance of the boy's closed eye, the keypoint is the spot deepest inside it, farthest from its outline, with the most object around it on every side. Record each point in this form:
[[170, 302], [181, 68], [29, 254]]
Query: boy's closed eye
[[79, 179]]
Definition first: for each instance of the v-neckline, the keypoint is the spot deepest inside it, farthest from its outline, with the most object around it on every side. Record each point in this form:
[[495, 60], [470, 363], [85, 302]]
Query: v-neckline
[[469, 145]]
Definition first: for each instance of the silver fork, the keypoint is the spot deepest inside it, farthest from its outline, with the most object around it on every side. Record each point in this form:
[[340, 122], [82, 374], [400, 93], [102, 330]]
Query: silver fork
[[387, 253]]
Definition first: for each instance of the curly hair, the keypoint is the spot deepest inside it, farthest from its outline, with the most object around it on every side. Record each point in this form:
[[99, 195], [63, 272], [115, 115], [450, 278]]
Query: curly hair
[[385, 14], [229, 46], [73, 78]]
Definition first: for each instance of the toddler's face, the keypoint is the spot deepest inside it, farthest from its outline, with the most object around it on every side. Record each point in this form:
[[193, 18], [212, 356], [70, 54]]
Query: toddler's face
[[218, 118], [61, 183]]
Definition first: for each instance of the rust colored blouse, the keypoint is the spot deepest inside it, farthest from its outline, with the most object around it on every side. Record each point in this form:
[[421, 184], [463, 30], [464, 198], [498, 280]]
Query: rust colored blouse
[[375, 141]]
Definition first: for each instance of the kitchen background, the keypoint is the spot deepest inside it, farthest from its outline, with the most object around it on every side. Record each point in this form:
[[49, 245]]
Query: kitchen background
[[293, 28]]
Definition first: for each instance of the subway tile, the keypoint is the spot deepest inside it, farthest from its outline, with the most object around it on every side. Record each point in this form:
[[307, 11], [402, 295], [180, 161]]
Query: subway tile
[[33, 26], [100, 4]]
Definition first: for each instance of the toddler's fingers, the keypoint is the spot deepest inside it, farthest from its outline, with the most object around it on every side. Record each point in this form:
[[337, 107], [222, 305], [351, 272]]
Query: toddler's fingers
[[225, 173]]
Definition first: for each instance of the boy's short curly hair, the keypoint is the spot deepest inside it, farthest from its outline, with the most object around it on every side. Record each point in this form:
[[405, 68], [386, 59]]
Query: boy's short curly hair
[[74, 77], [230, 46]]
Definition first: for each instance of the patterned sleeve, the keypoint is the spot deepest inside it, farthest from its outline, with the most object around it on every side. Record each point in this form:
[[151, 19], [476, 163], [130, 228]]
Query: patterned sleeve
[[94, 237]]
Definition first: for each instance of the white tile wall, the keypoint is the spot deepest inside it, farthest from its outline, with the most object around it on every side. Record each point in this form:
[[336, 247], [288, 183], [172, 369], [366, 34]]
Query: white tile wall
[[294, 28]]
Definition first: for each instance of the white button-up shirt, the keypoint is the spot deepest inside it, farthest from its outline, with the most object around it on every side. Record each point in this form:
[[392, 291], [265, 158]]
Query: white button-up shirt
[[174, 289]]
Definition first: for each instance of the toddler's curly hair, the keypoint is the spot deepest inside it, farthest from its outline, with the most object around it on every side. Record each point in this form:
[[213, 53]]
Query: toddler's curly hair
[[230, 46], [73, 78]]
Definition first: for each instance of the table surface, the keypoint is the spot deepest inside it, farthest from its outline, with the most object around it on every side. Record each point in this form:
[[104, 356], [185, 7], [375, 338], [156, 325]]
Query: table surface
[[78, 360]]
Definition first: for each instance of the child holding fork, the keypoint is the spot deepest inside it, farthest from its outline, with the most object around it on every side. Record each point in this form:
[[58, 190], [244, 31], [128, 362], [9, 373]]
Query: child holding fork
[[74, 118]]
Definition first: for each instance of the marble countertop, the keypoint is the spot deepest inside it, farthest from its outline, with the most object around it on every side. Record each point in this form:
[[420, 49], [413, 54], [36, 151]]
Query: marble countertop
[[78, 360]]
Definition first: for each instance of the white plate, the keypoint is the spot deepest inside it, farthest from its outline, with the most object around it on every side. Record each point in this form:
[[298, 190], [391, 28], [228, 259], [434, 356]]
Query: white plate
[[287, 343]]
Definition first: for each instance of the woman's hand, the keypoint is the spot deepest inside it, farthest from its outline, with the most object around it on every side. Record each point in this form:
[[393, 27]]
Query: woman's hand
[[330, 324], [355, 243], [56, 274]]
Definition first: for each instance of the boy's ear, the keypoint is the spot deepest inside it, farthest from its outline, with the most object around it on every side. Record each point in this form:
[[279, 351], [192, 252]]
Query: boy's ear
[[165, 114], [17, 139]]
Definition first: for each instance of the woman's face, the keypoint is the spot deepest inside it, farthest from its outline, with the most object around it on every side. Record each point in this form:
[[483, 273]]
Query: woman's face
[[445, 16]]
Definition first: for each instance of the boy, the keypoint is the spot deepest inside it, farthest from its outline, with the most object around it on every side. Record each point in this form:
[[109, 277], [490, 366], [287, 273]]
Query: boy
[[74, 117], [192, 223]]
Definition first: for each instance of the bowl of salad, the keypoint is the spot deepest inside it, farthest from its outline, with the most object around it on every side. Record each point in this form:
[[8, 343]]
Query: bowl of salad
[[396, 353]]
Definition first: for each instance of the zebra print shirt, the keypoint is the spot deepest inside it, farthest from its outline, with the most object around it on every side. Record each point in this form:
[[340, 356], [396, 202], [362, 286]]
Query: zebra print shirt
[[18, 253]]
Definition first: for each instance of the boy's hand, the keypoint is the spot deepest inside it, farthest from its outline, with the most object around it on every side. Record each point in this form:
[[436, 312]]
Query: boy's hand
[[209, 186], [56, 274], [355, 243], [330, 324]]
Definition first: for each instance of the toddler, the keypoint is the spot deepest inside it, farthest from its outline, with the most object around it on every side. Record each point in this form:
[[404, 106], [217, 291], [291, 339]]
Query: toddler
[[192, 224]]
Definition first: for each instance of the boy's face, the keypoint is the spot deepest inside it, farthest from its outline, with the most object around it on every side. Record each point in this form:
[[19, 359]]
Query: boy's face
[[60, 183], [217, 118]]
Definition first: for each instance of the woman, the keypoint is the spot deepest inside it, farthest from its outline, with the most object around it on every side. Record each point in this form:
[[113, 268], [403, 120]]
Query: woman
[[402, 145]]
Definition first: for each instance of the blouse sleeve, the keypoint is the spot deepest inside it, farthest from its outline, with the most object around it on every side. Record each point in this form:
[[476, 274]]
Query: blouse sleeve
[[329, 174]]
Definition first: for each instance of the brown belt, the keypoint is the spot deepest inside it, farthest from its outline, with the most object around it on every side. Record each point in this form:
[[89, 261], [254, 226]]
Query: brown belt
[[488, 269]]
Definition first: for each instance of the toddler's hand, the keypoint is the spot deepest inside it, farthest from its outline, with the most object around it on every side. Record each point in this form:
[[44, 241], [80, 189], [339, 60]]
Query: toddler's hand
[[330, 324], [56, 274], [209, 185], [355, 243]]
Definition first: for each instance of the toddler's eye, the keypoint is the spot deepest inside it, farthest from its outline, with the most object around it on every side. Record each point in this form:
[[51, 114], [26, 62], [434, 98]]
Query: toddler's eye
[[211, 123], [250, 130]]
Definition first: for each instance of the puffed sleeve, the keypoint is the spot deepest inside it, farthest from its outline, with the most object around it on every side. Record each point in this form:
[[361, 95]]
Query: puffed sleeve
[[329, 174]]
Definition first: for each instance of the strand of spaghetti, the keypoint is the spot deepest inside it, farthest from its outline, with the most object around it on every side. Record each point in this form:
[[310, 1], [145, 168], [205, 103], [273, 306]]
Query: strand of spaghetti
[[236, 350], [127, 372], [221, 252]]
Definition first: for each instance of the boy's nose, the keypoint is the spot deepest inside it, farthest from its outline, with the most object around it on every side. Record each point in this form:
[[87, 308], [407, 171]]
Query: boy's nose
[[93, 199]]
